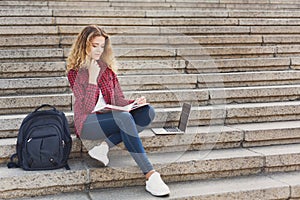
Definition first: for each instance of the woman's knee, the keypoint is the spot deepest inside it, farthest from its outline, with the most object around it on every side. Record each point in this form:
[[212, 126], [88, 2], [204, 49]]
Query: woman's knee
[[151, 112]]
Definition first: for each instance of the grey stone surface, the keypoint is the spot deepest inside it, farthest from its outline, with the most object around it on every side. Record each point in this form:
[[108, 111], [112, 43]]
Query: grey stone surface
[[105, 21], [237, 188], [29, 41], [31, 53], [254, 94], [242, 79], [291, 178], [280, 156], [155, 82], [25, 104], [262, 112], [24, 86], [25, 12], [89, 13], [17, 30], [26, 21], [186, 14], [260, 134], [32, 69], [254, 187], [124, 171]]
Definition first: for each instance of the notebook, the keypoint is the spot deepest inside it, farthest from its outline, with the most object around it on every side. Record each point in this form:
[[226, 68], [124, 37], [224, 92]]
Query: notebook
[[183, 121]]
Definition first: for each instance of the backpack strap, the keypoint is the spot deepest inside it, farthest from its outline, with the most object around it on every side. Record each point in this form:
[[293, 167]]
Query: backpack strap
[[12, 163], [67, 167], [44, 105]]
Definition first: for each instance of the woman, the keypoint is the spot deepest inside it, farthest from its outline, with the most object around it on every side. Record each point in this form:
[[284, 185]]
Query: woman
[[90, 68]]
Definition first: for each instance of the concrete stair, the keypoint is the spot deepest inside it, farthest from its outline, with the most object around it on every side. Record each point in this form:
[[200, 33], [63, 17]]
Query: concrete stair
[[273, 186], [236, 61]]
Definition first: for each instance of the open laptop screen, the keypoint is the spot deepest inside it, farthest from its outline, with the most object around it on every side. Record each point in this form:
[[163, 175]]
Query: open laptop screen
[[186, 108]]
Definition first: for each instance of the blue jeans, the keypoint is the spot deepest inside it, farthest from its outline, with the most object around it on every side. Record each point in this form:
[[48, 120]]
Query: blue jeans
[[116, 127]]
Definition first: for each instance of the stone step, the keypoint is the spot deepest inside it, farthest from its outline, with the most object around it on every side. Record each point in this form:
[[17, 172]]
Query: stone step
[[29, 30], [26, 104], [136, 4], [174, 167], [207, 52], [30, 41], [171, 30], [129, 21], [165, 68], [207, 65], [181, 13], [253, 94], [158, 82], [269, 133], [163, 98], [241, 64], [209, 81], [36, 54], [195, 138], [151, 30], [50, 85], [245, 79], [192, 13], [204, 52], [44, 85], [146, 41], [23, 86], [202, 115], [24, 3], [144, 21], [24, 11], [32, 69], [184, 40], [15, 21], [212, 96], [274, 186], [153, 41], [32, 54], [87, 172], [264, 7], [110, 3], [148, 5], [147, 8]]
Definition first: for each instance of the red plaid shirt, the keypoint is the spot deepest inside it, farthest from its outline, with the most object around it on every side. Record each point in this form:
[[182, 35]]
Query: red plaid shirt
[[86, 94]]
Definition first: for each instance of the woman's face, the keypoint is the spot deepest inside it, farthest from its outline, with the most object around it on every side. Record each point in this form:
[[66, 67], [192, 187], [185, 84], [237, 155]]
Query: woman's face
[[97, 47]]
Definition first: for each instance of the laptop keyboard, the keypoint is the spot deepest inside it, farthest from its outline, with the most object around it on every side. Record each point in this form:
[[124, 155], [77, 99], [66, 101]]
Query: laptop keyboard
[[172, 129]]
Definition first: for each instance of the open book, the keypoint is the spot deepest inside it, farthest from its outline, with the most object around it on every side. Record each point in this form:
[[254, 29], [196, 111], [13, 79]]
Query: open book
[[126, 108]]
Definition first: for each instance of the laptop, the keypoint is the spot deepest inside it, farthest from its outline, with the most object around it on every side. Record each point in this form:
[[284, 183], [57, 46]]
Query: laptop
[[183, 121]]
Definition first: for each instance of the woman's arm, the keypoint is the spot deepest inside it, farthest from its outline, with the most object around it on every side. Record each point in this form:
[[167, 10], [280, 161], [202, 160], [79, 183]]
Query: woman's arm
[[119, 96], [85, 93]]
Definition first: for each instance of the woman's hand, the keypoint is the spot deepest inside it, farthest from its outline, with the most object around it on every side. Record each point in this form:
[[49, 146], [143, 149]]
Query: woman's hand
[[94, 70], [141, 100]]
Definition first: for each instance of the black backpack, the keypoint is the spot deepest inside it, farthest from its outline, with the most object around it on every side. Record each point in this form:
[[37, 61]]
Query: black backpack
[[44, 141]]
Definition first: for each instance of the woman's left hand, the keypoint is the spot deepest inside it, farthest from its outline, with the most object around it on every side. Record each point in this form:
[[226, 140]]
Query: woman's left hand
[[141, 100]]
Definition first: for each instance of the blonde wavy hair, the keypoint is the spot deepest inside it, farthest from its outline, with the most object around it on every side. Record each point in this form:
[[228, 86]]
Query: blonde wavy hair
[[78, 57]]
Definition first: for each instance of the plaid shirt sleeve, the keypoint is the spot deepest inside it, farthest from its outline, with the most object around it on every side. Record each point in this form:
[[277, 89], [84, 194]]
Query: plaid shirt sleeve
[[85, 93]]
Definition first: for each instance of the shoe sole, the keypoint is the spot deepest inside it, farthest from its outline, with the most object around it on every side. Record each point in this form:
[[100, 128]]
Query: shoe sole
[[100, 161], [158, 195]]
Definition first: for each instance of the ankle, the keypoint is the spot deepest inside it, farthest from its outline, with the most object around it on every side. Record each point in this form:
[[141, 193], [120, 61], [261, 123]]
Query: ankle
[[149, 174]]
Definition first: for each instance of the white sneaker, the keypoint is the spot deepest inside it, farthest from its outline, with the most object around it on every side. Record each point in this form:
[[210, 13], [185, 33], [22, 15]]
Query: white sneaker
[[100, 153], [156, 186]]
